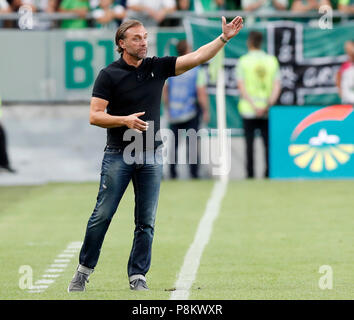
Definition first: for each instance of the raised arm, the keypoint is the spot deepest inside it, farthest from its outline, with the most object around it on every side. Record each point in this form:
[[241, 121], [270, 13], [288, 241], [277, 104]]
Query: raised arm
[[208, 51]]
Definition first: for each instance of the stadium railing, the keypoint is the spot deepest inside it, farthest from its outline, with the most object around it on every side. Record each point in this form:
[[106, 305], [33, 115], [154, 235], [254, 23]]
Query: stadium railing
[[58, 16]]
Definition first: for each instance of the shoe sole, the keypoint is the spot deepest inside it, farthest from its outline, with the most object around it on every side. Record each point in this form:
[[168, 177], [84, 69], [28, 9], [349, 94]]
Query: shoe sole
[[69, 291]]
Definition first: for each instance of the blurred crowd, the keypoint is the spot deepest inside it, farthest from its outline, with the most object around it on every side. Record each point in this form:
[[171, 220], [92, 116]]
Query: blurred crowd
[[110, 13]]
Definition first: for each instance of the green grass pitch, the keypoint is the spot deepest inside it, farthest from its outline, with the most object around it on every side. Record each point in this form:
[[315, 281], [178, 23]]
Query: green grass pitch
[[268, 242]]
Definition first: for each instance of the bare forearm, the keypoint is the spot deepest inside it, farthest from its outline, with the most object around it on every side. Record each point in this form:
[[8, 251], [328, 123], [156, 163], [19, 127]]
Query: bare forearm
[[201, 55], [278, 5], [105, 120], [139, 8], [244, 94], [167, 11], [275, 93], [209, 50], [108, 16], [254, 6], [203, 99], [165, 96], [338, 84], [345, 8]]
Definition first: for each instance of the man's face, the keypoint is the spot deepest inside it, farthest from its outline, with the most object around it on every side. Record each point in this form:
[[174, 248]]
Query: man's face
[[135, 42]]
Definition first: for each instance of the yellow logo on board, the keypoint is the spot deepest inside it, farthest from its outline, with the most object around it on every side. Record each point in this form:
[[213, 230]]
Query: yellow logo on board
[[323, 152]]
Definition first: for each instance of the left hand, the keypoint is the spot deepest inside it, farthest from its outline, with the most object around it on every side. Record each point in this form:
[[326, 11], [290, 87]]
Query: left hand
[[233, 28]]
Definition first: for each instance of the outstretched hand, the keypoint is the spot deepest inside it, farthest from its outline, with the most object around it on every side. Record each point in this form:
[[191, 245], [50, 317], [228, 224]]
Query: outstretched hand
[[233, 28]]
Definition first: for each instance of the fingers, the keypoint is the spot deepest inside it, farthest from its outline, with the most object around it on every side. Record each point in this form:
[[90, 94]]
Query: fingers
[[223, 19], [141, 122], [139, 114], [237, 19], [237, 24], [139, 125]]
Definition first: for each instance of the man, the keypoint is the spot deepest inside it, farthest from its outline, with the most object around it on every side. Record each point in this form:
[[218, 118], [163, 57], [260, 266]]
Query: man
[[130, 90], [106, 13], [4, 159], [346, 6], [258, 80], [264, 5], [345, 76], [308, 5], [79, 7], [151, 13], [183, 95], [4, 7]]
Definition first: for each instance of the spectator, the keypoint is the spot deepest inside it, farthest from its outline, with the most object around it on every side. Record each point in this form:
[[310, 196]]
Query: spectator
[[37, 6], [4, 159], [264, 5], [80, 7], [106, 13], [48, 6], [183, 95], [345, 76], [201, 6], [233, 4], [95, 3], [150, 13], [183, 5], [4, 7], [258, 80], [308, 5], [346, 6]]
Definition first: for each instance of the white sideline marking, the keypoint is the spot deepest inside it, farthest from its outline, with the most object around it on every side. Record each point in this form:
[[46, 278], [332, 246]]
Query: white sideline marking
[[56, 268], [39, 287], [61, 260], [65, 255], [56, 265], [192, 259], [44, 281], [50, 276]]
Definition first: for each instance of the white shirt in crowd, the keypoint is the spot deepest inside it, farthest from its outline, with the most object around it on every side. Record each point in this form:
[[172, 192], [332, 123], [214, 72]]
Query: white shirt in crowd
[[155, 4], [3, 4], [41, 5], [266, 6], [99, 12]]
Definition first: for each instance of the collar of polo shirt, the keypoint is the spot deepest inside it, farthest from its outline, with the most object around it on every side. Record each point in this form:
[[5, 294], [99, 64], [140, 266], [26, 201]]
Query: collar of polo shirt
[[126, 66]]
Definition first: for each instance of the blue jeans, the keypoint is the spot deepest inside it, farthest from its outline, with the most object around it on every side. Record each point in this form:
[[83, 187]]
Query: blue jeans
[[115, 177]]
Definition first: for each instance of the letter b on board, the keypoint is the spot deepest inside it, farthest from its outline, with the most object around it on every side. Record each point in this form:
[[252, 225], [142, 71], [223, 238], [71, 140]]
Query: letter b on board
[[78, 69]]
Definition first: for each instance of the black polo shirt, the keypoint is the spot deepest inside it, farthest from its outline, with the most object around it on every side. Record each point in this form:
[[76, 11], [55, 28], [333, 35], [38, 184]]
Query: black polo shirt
[[129, 90]]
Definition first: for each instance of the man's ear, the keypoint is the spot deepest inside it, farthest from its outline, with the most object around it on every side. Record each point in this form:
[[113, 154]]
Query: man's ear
[[121, 43]]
